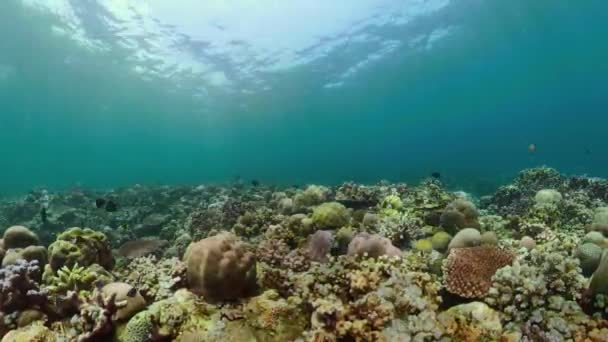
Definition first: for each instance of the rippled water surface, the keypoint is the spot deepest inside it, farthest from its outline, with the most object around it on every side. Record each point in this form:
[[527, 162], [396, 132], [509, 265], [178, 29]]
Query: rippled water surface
[[113, 92]]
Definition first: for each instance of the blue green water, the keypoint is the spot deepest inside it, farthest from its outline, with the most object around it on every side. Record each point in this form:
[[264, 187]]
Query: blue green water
[[114, 92]]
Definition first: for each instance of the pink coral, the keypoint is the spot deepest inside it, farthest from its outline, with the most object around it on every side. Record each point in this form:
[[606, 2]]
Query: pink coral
[[372, 245], [318, 245]]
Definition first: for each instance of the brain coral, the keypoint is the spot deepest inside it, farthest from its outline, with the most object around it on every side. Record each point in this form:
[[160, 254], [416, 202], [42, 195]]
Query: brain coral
[[220, 268], [19, 237], [468, 271]]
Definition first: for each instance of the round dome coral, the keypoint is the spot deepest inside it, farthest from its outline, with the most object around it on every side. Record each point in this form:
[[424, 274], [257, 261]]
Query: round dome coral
[[220, 268]]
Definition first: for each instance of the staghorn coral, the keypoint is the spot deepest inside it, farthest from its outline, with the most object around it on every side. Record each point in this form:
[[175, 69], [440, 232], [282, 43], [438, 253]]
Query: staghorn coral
[[220, 268], [468, 271], [76, 278], [155, 279], [80, 246]]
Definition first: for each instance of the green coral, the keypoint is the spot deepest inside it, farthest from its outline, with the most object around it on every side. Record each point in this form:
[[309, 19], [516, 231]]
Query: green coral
[[440, 241], [589, 255], [272, 318], [313, 195], [80, 246], [423, 245], [168, 318], [331, 215], [140, 328], [77, 278], [390, 205]]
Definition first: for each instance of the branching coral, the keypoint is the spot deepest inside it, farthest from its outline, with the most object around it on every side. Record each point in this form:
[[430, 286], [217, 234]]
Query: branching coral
[[77, 279], [19, 288], [155, 279], [353, 298], [533, 280]]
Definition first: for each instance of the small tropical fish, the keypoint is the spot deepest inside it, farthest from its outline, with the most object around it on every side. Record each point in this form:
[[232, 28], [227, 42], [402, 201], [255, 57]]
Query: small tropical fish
[[108, 205], [43, 214], [111, 206], [532, 148], [436, 175], [357, 204], [100, 203], [255, 182]]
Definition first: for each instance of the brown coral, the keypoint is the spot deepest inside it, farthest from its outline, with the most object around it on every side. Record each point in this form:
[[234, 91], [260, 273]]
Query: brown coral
[[468, 271], [220, 268], [19, 237], [372, 245], [460, 214]]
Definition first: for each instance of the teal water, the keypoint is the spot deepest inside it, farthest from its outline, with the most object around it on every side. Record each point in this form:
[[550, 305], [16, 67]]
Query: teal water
[[110, 93]]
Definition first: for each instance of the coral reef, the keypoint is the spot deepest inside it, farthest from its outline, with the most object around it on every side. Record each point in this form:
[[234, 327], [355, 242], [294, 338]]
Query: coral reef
[[238, 262]]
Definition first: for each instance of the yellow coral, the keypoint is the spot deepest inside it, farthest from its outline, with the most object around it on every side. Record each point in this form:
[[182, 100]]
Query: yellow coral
[[423, 245]]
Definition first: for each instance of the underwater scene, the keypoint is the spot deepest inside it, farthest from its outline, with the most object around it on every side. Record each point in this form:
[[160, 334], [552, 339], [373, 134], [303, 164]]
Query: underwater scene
[[303, 170]]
